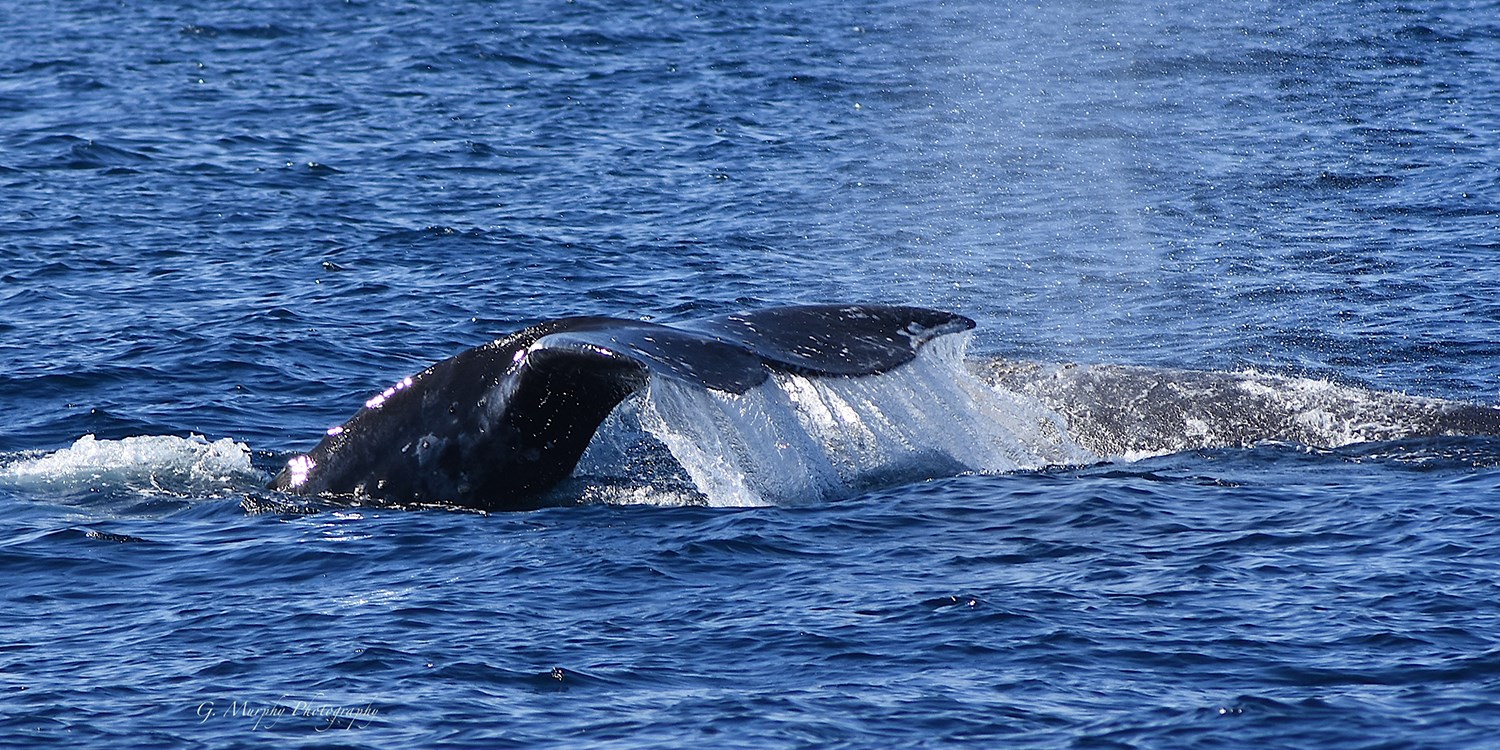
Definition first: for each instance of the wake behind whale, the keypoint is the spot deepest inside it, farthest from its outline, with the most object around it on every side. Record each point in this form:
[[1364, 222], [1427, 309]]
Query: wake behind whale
[[1121, 411], [801, 403]]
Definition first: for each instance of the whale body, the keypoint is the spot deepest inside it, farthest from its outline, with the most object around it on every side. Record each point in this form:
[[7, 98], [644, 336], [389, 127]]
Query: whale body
[[496, 426]]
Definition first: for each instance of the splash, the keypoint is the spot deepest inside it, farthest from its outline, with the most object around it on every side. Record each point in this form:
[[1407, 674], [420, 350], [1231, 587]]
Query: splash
[[798, 439], [152, 463]]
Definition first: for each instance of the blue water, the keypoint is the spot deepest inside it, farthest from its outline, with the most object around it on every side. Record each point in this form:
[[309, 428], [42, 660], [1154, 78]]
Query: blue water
[[238, 220]]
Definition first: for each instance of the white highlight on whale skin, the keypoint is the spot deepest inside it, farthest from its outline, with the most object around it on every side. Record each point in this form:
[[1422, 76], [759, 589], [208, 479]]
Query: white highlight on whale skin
[[379, 399], [299, 467]]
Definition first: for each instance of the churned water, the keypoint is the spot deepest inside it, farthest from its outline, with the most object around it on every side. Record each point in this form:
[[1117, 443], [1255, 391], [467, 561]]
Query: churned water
[[225, 225]]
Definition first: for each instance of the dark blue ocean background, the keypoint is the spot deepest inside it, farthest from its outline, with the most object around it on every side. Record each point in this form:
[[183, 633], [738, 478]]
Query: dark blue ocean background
[[224, 225]]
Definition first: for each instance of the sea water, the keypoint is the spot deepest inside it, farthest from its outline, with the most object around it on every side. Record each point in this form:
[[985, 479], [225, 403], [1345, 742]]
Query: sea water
[[226, 225]]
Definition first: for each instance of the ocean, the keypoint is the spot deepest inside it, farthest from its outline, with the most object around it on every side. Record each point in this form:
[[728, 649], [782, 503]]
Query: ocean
[[227, 225]]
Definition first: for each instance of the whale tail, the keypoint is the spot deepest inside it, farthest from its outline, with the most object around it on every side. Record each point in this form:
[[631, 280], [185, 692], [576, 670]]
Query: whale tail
[[497, 425]]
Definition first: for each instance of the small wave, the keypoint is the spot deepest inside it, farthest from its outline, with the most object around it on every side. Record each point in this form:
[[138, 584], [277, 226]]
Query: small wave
[[73, 152], [433, 233], [151, 464], [261, 31]]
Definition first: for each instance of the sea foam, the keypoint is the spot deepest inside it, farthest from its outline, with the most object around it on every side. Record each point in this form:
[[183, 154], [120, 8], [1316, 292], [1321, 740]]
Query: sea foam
[[161, 463]]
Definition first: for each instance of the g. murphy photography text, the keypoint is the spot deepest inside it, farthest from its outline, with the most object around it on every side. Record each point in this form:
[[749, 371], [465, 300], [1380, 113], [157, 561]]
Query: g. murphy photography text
[[319, 715]]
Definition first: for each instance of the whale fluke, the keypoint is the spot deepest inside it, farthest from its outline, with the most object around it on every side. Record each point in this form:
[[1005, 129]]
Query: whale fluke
[[496, 426]]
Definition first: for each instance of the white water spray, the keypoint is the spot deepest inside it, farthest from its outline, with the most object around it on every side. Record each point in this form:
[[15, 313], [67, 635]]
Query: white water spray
[[798, 439]]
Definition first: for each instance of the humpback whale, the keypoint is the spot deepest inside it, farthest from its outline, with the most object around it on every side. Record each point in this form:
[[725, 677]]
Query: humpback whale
[[496, 426], [499, 425]]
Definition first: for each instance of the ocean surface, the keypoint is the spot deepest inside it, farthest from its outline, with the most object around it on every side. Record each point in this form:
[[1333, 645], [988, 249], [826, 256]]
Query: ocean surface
[[226, 225]]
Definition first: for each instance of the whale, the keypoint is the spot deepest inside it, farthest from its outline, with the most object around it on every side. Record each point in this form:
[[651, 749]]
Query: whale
[[497, 426]]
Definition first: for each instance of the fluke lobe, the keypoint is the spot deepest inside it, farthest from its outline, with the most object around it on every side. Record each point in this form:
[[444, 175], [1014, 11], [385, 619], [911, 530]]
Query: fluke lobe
[[498, 425]]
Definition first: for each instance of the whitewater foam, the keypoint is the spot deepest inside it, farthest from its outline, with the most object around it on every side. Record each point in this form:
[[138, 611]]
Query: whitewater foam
[[1128, 412], [148, 463]]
